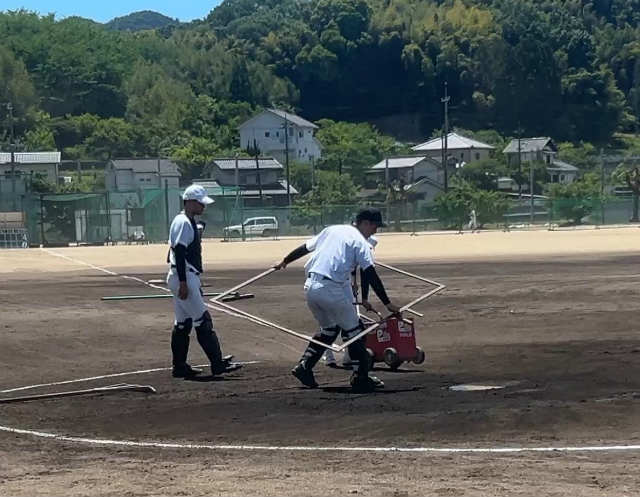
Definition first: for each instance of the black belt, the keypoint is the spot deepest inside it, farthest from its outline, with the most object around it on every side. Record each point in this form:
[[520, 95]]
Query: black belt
[[173, 266]]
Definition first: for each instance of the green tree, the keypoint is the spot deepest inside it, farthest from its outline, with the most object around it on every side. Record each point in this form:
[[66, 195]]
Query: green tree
[[454, 207], [351, 148], [576, 200], [16, 89]]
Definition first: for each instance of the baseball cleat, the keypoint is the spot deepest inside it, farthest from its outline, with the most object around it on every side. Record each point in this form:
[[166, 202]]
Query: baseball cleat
[[366, 384], [185, 371], [305, 376]]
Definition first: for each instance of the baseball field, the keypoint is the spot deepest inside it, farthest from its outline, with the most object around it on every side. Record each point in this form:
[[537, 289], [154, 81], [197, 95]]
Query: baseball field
[[549, 320]]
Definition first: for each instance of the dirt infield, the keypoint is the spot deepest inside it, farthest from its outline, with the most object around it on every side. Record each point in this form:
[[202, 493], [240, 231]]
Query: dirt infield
[[551, 317]]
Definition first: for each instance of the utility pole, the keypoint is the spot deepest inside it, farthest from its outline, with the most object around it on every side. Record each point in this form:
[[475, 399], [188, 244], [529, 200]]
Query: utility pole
[[13, 155], [313, 172], [445, 161], [519, 163], [256, 153], [531, 190], [286, 157], [602, 186]]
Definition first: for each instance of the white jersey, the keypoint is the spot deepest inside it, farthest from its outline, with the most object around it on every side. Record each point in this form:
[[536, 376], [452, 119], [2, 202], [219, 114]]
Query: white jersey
[[337, 251], [180, 233]]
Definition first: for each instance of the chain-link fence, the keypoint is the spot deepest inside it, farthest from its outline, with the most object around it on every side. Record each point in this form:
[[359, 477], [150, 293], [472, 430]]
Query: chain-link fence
[[144, 216]]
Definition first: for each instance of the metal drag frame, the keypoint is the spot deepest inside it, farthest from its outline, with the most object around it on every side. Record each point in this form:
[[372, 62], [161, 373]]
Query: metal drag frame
[[302, 336]]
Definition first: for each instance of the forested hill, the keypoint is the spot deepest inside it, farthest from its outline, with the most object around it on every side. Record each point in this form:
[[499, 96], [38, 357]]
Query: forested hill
[[137, 21], [561, 68]]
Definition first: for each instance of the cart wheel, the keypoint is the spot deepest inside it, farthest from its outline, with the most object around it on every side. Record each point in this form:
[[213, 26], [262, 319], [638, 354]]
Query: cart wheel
[[391, 358], [420, 356], [371, 359]]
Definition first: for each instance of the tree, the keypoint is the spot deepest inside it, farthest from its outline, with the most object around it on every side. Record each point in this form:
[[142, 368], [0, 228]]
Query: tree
[[323, 204], [453, 208], [351, 148], [484, 174], [576, 200], [194, 156], [628, 173], [18, 90]]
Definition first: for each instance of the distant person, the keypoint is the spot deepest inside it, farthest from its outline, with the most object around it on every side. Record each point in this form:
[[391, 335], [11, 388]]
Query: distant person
[[473, 221]]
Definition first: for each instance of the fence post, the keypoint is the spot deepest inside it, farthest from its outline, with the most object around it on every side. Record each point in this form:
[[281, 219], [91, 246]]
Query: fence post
[[41, 220], [166, 202], [108, 208]]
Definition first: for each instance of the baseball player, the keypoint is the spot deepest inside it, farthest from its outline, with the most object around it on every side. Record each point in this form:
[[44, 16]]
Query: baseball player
[[183, 279], [328, 356], [337, 251]]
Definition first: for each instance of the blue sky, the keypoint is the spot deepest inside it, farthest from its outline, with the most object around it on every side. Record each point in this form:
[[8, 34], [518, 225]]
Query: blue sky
[[105, 10]]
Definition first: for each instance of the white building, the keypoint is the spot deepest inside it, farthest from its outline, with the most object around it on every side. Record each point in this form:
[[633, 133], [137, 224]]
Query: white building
[[459, 147], [123, 175], [268, 131], [418, 174], [16, 177], [541, 149], [259, 184]]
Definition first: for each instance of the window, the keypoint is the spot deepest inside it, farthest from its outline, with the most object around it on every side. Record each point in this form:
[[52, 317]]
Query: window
[[477, 155], [300, 134], [562, 177], [277, 133], [266, 134], [462, 155], [305, 150]]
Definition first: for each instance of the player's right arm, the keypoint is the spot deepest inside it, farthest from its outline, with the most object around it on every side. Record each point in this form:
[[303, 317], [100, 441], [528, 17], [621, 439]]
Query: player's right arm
[[304, 249]]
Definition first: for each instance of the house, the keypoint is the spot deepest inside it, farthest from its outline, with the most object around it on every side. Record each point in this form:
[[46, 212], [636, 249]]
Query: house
[[122, 175], [268, 128], [460, 147], [16, 177], [258, 184], [541, 149], [561, 172], [419, 174]]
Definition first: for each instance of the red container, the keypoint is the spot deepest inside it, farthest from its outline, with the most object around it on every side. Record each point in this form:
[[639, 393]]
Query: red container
[[393, 343]]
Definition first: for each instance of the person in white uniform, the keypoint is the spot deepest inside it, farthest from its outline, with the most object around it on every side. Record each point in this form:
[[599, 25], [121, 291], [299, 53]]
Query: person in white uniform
[[329, 357], [337, 251], [183, 279]]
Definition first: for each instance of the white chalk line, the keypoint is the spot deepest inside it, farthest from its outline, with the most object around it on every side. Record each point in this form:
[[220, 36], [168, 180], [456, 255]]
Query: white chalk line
[[284, 448], [312, 448], [164, 289], [101, 377]]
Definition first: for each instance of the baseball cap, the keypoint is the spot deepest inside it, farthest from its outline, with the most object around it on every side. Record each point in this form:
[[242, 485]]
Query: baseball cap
[[371, 215], [197, 192]]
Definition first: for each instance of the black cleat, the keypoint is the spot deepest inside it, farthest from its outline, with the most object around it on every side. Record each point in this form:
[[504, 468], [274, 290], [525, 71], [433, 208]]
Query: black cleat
[[305, 376], [366, 384], [226, 366], [185, 371]]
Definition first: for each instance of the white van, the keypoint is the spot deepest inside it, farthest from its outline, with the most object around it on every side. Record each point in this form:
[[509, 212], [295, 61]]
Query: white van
[[254, 226]]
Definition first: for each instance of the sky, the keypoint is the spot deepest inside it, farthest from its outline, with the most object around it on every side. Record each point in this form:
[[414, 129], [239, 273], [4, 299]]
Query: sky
[[105, 10]]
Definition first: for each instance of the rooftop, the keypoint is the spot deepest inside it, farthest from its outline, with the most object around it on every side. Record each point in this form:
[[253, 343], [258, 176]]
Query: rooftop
[[164, 166], [454, 142], [529, 145], [398, 162], [247, 163], [292, 118], [31, 157]]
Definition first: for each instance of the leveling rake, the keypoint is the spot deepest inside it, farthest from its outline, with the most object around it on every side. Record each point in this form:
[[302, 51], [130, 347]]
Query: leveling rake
[[219, 300], [121, 387]]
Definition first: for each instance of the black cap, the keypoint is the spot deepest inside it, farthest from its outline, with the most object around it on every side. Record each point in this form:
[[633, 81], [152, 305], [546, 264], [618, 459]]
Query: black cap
[[371, 215]]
